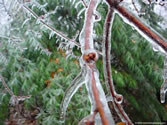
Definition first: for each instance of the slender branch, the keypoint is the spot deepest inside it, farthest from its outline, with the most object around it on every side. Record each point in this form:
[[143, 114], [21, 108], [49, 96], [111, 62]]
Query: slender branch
[[53, 29], [107, 67], [99, 105], [89, 24], [6, 86], [134, 5], [6, 10], [139, 24]]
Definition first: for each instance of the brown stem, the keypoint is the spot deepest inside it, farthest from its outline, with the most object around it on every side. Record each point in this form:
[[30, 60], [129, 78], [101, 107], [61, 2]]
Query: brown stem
[[88, 23], [107, 66], [139, 24], [99, 105]]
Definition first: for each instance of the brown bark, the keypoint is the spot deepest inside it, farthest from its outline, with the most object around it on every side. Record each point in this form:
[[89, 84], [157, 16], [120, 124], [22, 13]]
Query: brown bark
[[160, 41], [99, 105], [107, 63]]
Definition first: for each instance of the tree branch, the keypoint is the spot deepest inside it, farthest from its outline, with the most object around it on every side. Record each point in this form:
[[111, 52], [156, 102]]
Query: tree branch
[[160, 41], [99, 105], [107, 67]]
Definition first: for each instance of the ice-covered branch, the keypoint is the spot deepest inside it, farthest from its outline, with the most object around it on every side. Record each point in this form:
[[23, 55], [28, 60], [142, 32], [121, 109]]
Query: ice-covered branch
[[97, 97], [84, 3], [140, 27], [86, 35], [116, 98], [60, 34]]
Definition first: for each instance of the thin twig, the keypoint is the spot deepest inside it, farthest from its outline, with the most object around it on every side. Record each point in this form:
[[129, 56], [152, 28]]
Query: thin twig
[[107, 66], [147, 31], [6, 10], [134, 5]]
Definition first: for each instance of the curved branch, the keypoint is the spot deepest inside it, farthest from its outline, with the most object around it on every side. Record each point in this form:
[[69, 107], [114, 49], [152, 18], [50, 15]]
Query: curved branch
[[117, 99]]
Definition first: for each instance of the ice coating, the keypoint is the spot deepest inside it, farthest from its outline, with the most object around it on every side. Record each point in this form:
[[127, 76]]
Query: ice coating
[[106, 54], [75, 85], [90, 73], [164, 85], [89, 89], [86, 35], [116, 99], [153, 43]]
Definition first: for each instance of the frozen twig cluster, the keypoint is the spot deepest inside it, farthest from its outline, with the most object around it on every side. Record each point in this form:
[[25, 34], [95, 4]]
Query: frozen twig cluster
[[14, 99]]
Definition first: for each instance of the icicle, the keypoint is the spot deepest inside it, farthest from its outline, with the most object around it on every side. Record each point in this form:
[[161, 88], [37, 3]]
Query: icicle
[[76, 84], [164, 85], [25, 22], [77, 4], [80, 12], [38, 21], [51, 34]]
